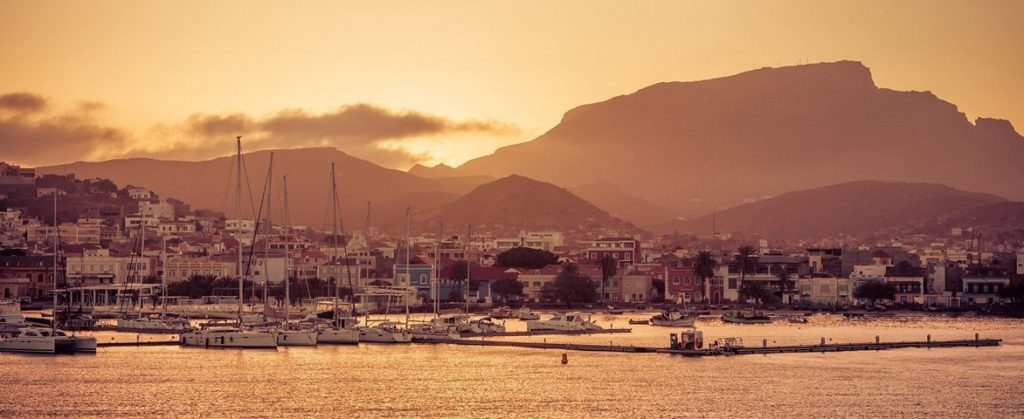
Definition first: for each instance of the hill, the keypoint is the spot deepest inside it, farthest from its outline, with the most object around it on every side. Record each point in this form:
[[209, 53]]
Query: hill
[[853, 209], [695, 147], [622, 204], [514, 203], [210, 184]]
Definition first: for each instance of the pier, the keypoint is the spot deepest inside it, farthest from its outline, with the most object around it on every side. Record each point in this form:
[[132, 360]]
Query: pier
[[547, 332], [744, 350]]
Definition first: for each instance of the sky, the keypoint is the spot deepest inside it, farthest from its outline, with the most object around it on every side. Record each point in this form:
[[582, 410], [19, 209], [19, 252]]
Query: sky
[[400, 83]]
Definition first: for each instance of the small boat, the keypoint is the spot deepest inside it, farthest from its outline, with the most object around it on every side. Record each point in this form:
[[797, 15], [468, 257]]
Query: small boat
[[384, 332], [689, 340], [673, 319], [801, 320], [638, 321], [482, 326], [430, 331], [613, 310], [573, 321], [503, 312], [526, 314], [746, 317]]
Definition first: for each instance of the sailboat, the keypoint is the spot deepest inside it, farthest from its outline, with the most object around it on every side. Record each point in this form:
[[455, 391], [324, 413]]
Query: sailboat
[[215, 335], [151, 323], [33, 338], [342, 330], [386, 331], [289, 334]]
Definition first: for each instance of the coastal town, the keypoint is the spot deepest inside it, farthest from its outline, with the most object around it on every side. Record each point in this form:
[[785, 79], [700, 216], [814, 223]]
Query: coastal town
[[105, 245]]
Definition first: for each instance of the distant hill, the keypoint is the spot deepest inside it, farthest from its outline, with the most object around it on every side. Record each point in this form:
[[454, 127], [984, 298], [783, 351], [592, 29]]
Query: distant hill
[[210, 184], [622, 204], [1000, 221], [520, 203], [695, 147], [440, 170], [856, 209]]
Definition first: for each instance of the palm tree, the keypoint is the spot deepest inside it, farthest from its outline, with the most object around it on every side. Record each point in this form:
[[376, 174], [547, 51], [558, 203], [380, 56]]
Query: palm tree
[[783, 278], [744, 261], [458, 274], [705, 267], [609, 266]]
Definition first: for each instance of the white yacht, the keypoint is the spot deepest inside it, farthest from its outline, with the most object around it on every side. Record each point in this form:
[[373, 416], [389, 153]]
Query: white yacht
[[153, 323], [11, 319], [503, 312], [296, 337], [526, 314], [224, 335], [385, 332], [430, 331], [342, 332], [40, 340], [567, 322]]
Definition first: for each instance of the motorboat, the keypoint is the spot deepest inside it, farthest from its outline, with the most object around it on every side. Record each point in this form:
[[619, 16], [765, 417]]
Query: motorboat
[[673, 319], [40, 340], [573, 321], [746, 317], [503, 312], [799, 320], [385, 332], [526, 314], [11, 319], [227, 335], [613, 310], [484, 325], [153, 323], [639, 321]]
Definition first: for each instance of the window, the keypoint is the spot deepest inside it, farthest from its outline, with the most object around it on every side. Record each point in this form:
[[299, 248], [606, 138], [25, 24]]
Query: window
[[825, 288], [675, 280], [686, 280]]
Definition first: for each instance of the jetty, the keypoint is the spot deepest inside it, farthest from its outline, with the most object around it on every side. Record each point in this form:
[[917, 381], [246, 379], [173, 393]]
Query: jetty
[[736, 350], [546, 332]]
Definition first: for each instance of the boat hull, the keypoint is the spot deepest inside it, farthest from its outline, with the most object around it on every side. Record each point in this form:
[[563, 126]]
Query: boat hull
[[535, 325], [683, 322], [150, 326], [86, 344], [339, 336], [741, 320], [374, 335], [296, 338], [239, 339]]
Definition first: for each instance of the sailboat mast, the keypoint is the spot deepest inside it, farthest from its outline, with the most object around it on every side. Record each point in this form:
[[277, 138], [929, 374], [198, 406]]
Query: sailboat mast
[[269, 230], [56, 238], [334, 247], [163, 278], [238, 218], [288, 238]]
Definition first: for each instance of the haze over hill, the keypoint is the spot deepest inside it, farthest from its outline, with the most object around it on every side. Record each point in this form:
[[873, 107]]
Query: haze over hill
[[210, 184], [622, 204], [856, 209], [518, 203], [694, 147]]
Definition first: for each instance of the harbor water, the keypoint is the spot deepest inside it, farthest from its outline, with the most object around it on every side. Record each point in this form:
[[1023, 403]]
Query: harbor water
[[420, 380]]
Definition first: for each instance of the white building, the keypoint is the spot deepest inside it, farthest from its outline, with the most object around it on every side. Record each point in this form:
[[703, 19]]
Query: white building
[[237, 226], [140, 193], [162, 210], [176, 228]]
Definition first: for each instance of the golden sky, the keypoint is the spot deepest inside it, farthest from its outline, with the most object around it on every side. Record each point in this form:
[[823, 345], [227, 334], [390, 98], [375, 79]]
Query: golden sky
[[440, 81]]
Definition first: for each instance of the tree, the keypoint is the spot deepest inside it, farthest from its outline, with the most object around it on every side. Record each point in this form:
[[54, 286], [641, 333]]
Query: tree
[[458, 273], [705, 267], [507, 288], [875, 290], [1013, 292], [745, 261], [571, 286], [525, 257], [754, 290], [609, 267], [782, 277]]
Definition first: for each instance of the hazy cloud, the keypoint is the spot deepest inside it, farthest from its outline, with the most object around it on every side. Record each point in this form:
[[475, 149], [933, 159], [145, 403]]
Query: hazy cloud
[[22, 102], [31, 132]]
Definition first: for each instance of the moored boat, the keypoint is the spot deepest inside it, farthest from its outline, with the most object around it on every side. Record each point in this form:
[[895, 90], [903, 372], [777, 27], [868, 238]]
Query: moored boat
[[225, 335], [673, 319], [503, 312], [385, 332], [746, 317], [639, 321], [573, 321], [38, 340], [526, 314]]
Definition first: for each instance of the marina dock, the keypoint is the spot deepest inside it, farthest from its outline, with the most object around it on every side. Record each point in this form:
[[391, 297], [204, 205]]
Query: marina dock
[[746, 350], [547, 332]]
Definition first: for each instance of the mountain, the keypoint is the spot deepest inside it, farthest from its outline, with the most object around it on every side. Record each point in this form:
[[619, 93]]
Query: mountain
[[695, 147], [210, 184], [514, 203], [854, 209], [622, 204], [1000, 221], [440, 170]]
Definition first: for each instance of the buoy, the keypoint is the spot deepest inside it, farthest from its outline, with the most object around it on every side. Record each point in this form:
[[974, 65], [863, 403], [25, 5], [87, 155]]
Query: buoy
[[565, 359]]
